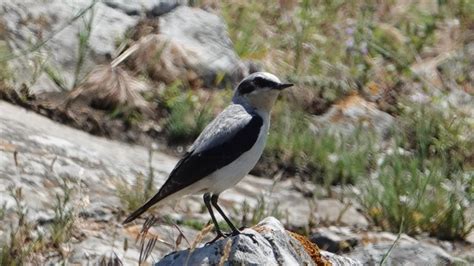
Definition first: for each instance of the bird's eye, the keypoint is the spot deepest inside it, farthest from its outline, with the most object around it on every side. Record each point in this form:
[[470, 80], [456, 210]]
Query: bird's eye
[[246, 87], [264, 83]]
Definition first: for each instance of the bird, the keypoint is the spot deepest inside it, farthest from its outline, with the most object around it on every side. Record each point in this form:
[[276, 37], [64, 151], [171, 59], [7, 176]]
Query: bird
[[226, 150]]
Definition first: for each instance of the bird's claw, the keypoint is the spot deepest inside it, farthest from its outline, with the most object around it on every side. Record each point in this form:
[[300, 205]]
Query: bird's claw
[[221, 235], [218, 236]]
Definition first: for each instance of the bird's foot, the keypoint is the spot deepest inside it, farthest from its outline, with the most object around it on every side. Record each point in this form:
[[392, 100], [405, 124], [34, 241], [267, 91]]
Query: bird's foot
[[239, 232], [218, 236], [233, 233], [221, 235]]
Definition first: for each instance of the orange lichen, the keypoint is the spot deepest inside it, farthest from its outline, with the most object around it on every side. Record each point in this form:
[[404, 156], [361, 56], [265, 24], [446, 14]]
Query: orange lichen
[[351, 100], [260, 229], [337, 116], [311, 248], [374, 88]]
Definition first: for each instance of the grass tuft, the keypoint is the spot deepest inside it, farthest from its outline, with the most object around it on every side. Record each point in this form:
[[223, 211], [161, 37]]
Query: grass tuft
[[422, 181]]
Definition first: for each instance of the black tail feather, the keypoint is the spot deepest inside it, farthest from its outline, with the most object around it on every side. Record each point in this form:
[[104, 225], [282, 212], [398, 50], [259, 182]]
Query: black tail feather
[[143, 208]]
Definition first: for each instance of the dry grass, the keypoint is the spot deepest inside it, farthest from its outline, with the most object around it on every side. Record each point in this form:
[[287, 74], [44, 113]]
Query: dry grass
[[109, 87], [200, 236], [163, 59], [146, 246], [226, 252], [27, 241]]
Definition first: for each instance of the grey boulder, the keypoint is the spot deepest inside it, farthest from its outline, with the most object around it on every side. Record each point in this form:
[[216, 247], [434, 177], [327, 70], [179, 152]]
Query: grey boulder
[[204, 36], [267, 243]]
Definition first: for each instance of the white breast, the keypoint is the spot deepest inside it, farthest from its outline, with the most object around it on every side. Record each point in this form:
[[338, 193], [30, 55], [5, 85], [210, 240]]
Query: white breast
[[231, 174]]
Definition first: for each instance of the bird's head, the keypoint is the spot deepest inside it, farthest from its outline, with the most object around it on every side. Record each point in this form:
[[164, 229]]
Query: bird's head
[[259, 90]]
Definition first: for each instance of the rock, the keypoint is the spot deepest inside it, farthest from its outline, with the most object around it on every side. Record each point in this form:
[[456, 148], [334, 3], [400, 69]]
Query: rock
[[28, 23], [267, 243], [404, 254], [370, 247], [145, 7], [37, 153], [333, 242], [204, 36], [352, 113], [200, 37], [284, 197]]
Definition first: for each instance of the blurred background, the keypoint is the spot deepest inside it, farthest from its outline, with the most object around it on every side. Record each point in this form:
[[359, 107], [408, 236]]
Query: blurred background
[[374, 145]]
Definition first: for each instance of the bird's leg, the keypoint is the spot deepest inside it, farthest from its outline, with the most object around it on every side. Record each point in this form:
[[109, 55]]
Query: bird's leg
[[207, 201], [214, 199]]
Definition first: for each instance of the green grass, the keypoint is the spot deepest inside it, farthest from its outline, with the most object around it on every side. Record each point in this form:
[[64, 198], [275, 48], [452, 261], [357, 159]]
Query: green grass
[[63, 220], [132, 197], [24, 243], [5, 71], [188, 115], [424, 181], [16, 249], [333, 48], [323, 157], [253, 215], [83, 36]]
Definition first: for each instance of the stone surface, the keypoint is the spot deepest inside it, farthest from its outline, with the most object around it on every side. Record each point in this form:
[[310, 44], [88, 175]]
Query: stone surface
[[36, 154], [28, 23], [352, 113], [144, 7], [370, 247], [204, 36], [196, 36], [268, 243]]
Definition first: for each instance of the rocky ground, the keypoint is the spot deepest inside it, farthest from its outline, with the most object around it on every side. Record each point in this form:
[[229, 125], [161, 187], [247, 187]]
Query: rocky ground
[[64, 192], [39, 156]]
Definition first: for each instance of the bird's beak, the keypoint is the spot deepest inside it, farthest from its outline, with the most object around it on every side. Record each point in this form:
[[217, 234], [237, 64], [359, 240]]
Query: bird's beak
[[282, 86]]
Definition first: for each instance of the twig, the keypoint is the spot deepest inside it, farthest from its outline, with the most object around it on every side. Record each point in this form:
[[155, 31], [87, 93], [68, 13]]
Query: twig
[[385, 257], [181, 233]]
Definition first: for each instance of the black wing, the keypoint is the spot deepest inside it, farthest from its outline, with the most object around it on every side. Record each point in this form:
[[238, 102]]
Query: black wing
[[196, 165]]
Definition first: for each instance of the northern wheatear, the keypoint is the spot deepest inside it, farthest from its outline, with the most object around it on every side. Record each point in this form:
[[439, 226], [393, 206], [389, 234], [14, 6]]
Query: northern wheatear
[[227, 149]]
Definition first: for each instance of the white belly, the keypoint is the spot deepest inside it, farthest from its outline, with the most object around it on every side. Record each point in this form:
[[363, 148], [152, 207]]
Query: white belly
[[232, 173]]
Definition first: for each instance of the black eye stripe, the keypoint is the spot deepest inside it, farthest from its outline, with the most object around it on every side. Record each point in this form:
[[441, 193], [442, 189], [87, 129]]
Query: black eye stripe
[[261, 82], [246, 87]]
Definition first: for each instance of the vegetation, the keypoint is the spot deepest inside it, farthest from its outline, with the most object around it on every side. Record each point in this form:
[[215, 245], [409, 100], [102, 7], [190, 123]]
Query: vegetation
[[417, 178], [418, 173], [422, 175], [143, 188], [135, 195], [423, 180], [188, 115], [25, 241]]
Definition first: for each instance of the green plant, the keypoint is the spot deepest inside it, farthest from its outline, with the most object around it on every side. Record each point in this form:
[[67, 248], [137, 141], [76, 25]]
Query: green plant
[[253, 215], [422, 181], [134, 196], [242, 22], [187, 114], [84, 37], [325, 157], [55, 76], [5, 72], [140, 191], [63, 221], [21, 244]]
